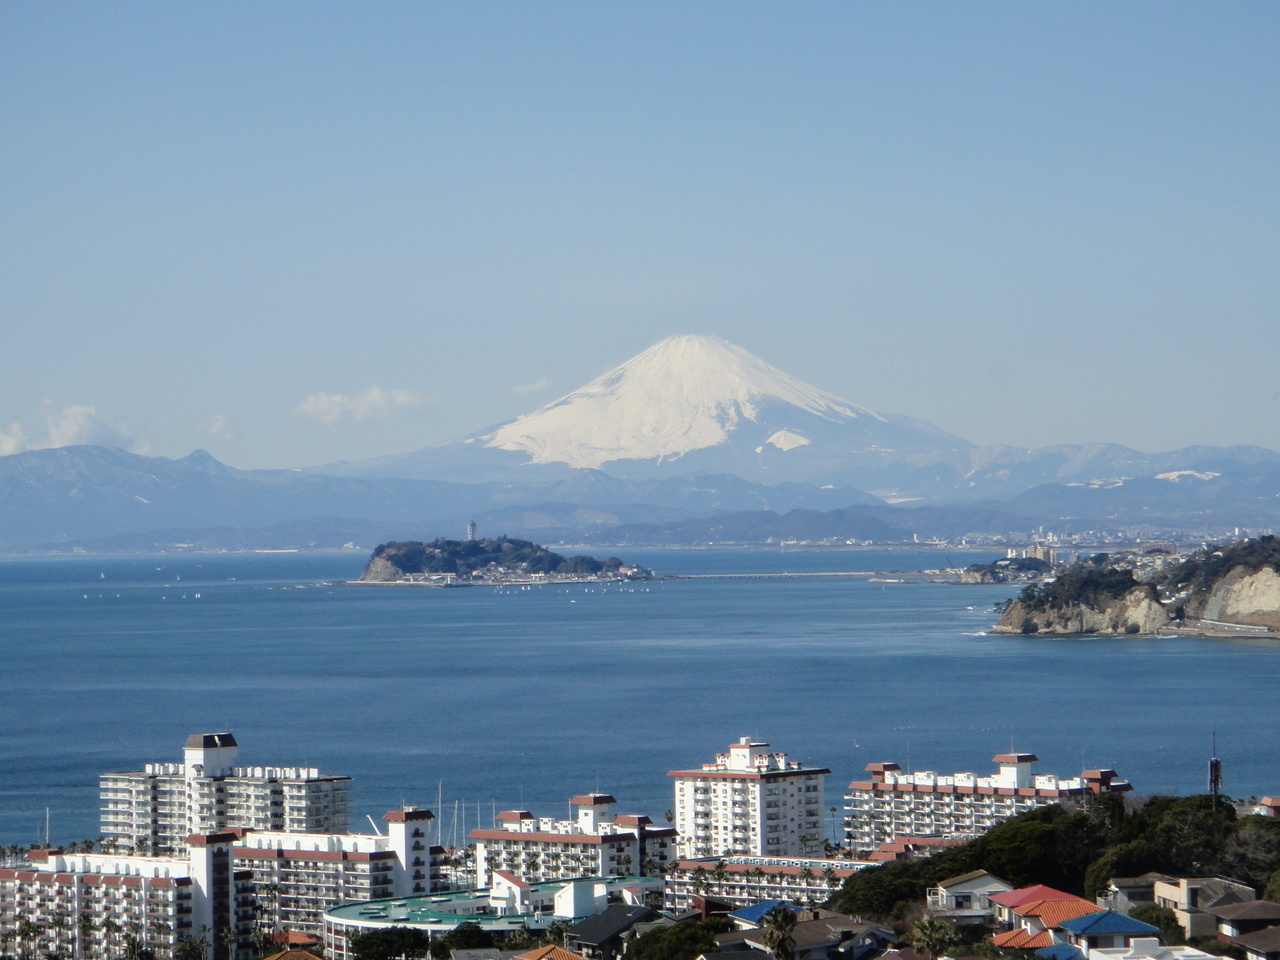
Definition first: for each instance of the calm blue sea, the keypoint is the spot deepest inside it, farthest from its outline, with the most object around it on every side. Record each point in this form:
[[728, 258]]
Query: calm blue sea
[[525, 697]]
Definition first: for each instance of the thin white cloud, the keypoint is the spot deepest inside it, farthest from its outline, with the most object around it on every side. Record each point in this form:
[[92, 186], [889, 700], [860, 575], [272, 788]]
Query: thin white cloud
[[328, 408], [523, 388], [69, 426], [80, 423], [217, 426], [12, 440]]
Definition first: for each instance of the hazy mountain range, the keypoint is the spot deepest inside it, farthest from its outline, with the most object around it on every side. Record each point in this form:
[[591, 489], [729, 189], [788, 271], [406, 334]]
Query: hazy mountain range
[[692, 440]]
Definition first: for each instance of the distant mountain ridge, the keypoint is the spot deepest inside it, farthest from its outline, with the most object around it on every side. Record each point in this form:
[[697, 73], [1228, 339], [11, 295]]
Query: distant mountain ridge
[[102, 496], [695, 405], [690, 430]]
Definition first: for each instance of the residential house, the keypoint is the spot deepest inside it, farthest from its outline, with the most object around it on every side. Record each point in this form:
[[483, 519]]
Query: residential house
[[1261, 945], [1104, 929], [1236, 920], [1033, 914], [600, 937], [1125, 893], [1148, 948], [966, 898], [829, 937], [1190, 897]]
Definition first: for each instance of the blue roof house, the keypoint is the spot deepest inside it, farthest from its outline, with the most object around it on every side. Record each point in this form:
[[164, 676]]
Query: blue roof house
[[1104, 929]]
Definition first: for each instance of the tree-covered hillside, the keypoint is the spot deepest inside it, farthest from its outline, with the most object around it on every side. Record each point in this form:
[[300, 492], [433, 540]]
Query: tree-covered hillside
[[1194, 579], [464, 557], [1078, 848]]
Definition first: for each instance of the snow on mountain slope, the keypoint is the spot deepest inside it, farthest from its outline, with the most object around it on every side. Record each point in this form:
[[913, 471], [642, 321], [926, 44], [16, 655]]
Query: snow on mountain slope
[[682, 394]]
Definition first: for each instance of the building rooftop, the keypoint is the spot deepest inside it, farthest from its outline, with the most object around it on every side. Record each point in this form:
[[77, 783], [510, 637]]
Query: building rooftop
[[755, 912], [1263, 941], [199, 741], [614, 920], [1016, 898], [1106, 921], [1249, 910], [435, 908]]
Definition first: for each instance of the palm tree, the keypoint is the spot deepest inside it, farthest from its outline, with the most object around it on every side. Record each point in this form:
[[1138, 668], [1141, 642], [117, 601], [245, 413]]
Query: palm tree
[[109, 929], [720, 871], [806, 876], [531, 861], [553, 862], [778, 926], [272, 892], [669, 816], [699, 879], [6, 937], [229, 940], [757, 876], [133, 940], [830, 879], [160, 932], [931, 936], [57, 923], [626, 864], [84, 926], [28, 932]]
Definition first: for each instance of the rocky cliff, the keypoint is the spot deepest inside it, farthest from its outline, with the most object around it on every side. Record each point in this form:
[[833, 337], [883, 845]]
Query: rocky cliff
[[1244, 597], [1238, 583], [1136, 612]]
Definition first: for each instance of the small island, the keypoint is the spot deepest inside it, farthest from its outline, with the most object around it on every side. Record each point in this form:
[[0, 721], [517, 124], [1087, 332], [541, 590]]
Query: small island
[[502, 560]]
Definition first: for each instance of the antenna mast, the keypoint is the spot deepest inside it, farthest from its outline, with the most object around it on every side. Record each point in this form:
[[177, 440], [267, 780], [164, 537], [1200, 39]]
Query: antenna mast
[[1215, 773]]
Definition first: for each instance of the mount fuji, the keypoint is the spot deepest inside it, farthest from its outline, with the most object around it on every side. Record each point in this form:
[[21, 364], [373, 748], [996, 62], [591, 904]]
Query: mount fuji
[[687, 405]]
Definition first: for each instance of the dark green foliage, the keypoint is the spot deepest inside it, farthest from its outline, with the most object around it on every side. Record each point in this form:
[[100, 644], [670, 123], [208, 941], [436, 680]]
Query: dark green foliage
[[1170, 930], [680, 941], [1092, 588], [465, 936], [1204, 568], [1078, 849], [465, 556], [388, 943]]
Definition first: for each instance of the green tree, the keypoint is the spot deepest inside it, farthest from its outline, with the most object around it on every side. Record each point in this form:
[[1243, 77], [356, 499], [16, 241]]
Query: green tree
[[190, 948], [388, 943], [1171, 934], [779, 924], [679, 941], [555, 932], [931, 936], [84, 930]]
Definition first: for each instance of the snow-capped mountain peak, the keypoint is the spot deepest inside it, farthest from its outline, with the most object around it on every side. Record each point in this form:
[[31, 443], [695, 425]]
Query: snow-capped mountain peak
[[684, 393]]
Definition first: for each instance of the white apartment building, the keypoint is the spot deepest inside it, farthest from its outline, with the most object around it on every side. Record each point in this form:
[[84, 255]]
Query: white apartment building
[[95, 905], [153, 810], [749, 801], [741, 881], [595, 843], [300, 875], [893, 804]]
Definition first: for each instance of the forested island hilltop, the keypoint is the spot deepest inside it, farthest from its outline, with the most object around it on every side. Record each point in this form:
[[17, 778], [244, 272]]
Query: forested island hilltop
[[501, 560], [1236, 586]]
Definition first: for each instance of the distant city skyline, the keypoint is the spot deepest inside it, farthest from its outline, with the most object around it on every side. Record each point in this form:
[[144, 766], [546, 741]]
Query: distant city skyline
[[310, 232]]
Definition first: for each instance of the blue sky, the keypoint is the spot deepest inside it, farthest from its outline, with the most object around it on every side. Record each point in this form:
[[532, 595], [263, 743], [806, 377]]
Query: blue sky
[[291, 233]]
